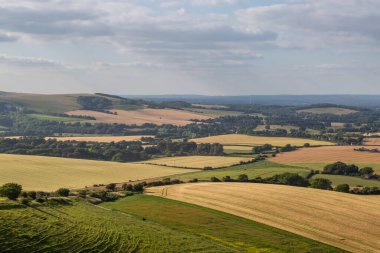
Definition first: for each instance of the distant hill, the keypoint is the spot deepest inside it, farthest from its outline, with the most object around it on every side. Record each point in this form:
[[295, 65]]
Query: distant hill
[[297, 100]]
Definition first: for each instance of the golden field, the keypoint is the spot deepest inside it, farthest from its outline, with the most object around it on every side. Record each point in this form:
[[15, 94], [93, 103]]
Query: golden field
[[347, 221], [328, 155], [101, 138], [248, 140], [198, 162], [371, 141], [140, 117], [51, 173]]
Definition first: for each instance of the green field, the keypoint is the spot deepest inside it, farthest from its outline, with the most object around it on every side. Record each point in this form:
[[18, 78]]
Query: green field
[[81, 227], [212, 112], [352, 181], [233, 233], [54, 118], [260, 169], [320, 166]]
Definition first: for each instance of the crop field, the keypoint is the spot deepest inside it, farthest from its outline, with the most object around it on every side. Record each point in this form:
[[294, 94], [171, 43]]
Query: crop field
[[101, 138], [198, 162], [329, 110], [51, 173], [352, 181], [317, 158], [234, 233], [260, 169], [248, 140], [54, 118], [81, 227], [275, 127], [371, 141], [140, 117], [346, 221], [213, 112]]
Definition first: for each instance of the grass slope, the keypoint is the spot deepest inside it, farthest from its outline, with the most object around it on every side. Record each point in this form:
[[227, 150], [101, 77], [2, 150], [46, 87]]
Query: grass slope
[[347, 221], [198, 162], [261, 169], [54, 118], [329, 110], [236, 234], [51, 173], [81, 227], [248, 140], [351, 181]]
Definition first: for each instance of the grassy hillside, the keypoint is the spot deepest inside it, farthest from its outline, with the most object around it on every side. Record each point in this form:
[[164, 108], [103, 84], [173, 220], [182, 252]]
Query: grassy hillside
[[347, 221], [329, 110], [226, 230], [51, 173], [80, 227], [261, 169], [352, 181]]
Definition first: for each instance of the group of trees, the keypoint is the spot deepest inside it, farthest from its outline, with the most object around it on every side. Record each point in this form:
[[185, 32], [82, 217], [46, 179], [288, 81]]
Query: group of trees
[[340, 168], [13, 191], [115, 151]]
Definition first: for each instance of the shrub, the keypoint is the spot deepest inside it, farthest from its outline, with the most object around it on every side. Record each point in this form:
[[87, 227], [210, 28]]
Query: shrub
[[342, 188], [11, 191], [366, 171], [63, 192], [321, 183], [194, 180], [24, 194], [25, 201], [32, 194], [227, 179], [306, 145], [40, 200], [243, 178], [111, 187], [214, 179], [138, 187], [288, 179]]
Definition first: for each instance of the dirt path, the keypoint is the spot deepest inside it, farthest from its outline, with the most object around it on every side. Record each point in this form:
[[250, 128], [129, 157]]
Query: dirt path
[[347, 221]]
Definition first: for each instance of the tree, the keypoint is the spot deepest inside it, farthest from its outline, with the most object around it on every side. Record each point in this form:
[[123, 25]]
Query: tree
[[342, 188], [10, 191], [306, 145], [138, 187], [214, 179], [321, 183], [63, 192], [288, 179], [227, 179], [366, 171], [243, 178], [111, 187]]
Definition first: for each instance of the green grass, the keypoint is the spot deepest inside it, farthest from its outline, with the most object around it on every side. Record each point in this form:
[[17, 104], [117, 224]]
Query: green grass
[[260, 169], [212, 112], [81, 227], [351, 181], [54, 118], [227, 230]]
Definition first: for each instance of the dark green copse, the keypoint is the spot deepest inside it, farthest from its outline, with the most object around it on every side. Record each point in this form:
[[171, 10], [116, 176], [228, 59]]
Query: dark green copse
[[64, 192], [321, 183], [342, 188], [11, 190]]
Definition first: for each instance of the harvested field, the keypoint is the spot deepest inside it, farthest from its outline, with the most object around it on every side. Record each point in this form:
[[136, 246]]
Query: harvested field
[[371, 141], [327, 155], [329, 110], [101, 138], [248, 140], [198, 162], [51, 173], [316, 214], [140, 117]]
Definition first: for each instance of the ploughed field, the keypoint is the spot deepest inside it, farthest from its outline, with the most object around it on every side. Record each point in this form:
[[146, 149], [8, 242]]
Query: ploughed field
[[248, 140], [198, 162], [101, 138], [319, 156], [347, 221], [142, 116], [51, 173]]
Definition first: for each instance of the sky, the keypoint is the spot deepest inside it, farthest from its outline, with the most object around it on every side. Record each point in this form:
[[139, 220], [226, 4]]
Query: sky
[[209, 47]]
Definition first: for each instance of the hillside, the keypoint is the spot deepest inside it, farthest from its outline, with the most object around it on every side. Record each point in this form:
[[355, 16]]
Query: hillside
[[343, 220]]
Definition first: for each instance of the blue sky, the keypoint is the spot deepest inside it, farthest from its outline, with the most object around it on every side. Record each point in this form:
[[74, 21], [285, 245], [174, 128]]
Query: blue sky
[[213, 47]]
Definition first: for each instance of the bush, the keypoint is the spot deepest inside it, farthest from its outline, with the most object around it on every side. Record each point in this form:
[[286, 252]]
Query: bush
[[214, 179], [40, 200], [10, 191], [342, 188], [321, 183], [111, 187], [32, 194], [243, 178], [194, 180], [25, 201], [288, 179], [227, 179], [138, 187], [63, 192], [24, 194]]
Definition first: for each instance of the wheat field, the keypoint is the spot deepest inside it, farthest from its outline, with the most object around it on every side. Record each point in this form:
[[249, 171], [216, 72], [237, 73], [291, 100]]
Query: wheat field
[[140, 117], [51, 173], [347, 221], [198, 162], [248, 140]]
